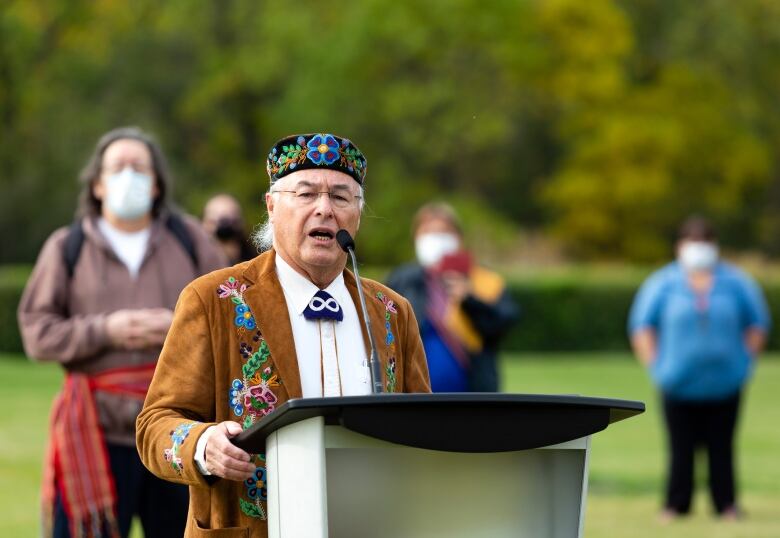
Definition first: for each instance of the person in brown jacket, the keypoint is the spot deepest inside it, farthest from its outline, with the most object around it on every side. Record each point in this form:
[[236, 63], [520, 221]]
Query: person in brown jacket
[[283, 325], [99, 301]]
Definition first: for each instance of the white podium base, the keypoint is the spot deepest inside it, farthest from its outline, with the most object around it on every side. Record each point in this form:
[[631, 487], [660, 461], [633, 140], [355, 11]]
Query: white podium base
[[327, 481]]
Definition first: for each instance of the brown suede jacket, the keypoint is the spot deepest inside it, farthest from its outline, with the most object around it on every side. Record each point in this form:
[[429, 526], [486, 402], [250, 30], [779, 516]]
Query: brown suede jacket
[[230, 355], [63, 319]]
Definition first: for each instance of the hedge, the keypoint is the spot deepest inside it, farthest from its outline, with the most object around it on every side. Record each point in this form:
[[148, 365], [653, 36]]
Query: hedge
[[590, 316], [556, 315], [569, 316]]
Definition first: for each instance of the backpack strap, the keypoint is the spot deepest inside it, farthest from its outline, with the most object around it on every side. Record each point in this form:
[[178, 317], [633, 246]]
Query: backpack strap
[[73, 244], [176, 225], [75, 241]]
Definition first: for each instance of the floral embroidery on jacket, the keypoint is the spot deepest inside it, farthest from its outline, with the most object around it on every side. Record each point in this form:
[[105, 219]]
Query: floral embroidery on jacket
[[251, 396], [390, 373], [389, 341], [256, 491], [235, 292], [178, 436]]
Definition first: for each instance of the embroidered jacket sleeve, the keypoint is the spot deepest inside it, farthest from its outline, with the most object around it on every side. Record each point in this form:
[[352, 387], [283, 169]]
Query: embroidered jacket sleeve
[[48, 332], [180, 404]]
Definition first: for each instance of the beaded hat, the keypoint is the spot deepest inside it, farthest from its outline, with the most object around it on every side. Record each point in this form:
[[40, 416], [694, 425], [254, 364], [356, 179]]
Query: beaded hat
[[315, 150]]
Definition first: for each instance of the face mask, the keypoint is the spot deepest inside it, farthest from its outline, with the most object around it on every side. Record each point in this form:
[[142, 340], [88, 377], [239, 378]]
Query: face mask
[[431, 248], [128, 194], [698, 256], [227, 229]]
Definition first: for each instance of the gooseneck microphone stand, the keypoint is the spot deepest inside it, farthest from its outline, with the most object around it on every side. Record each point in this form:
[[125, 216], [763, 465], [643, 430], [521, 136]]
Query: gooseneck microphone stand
[[347, 244]]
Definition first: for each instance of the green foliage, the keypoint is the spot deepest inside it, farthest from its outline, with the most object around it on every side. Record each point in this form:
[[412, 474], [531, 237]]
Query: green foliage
[[572, 313], [631, 177], [603, 122]]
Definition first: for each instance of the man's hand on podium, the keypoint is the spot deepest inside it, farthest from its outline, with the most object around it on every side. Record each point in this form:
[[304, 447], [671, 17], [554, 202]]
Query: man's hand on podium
[[225, 459]]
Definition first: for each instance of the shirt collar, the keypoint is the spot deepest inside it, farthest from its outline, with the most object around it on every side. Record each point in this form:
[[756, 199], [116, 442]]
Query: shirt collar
[[299, 289]]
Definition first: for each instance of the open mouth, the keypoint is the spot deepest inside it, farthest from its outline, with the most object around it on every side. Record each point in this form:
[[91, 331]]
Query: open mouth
[[321, 235]]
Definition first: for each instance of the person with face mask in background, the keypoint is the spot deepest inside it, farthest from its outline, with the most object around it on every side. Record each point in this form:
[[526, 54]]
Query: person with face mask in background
[[698, 325], [463, 309], [102, 309], [223, 220]]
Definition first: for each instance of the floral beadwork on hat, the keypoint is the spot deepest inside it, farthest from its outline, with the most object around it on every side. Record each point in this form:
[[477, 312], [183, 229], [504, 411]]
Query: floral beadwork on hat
[[317, 150]]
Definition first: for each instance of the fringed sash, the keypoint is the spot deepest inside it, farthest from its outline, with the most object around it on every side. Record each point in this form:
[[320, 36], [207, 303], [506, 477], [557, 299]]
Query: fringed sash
[[452, 324], [76, 463]]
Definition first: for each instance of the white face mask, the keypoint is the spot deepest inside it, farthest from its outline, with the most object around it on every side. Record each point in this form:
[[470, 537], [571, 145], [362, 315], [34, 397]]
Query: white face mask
[[128, 194], [698, 256], [432, 247]]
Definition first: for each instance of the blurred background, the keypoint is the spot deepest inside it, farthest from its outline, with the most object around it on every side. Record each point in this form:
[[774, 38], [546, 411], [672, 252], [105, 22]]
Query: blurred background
[[572, 137], [597, 125]]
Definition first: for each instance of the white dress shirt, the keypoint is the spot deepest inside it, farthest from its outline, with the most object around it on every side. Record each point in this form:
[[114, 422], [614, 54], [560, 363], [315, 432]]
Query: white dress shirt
[[331, 354]]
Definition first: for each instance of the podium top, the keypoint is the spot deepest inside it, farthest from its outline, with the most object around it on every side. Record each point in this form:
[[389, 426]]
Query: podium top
[[454, 422]]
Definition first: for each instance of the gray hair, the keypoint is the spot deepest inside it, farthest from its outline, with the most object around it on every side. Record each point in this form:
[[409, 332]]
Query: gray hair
[[263, 237]]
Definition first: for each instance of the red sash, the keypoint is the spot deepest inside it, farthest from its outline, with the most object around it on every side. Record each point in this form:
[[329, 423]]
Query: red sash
[[76, 463]]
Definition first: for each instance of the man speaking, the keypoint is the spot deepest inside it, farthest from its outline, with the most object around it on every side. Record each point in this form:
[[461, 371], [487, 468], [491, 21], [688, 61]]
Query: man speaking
[[284, 325]]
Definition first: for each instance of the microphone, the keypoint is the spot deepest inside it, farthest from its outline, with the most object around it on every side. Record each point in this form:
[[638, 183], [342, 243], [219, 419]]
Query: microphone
[[347, 244]]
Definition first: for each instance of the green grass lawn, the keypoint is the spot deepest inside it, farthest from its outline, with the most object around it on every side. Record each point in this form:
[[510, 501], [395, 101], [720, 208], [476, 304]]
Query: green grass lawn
[[626, 463], [627, 460]]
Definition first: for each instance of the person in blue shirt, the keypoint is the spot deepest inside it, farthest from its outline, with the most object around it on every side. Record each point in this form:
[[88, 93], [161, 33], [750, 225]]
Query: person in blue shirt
[[698, 325]]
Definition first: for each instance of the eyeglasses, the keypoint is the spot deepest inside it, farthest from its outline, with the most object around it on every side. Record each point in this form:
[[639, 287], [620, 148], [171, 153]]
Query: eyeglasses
[[305, 197], [115, 168]]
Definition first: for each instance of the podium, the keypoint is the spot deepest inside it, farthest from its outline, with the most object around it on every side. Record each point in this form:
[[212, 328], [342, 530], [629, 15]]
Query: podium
[[430, 465]]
